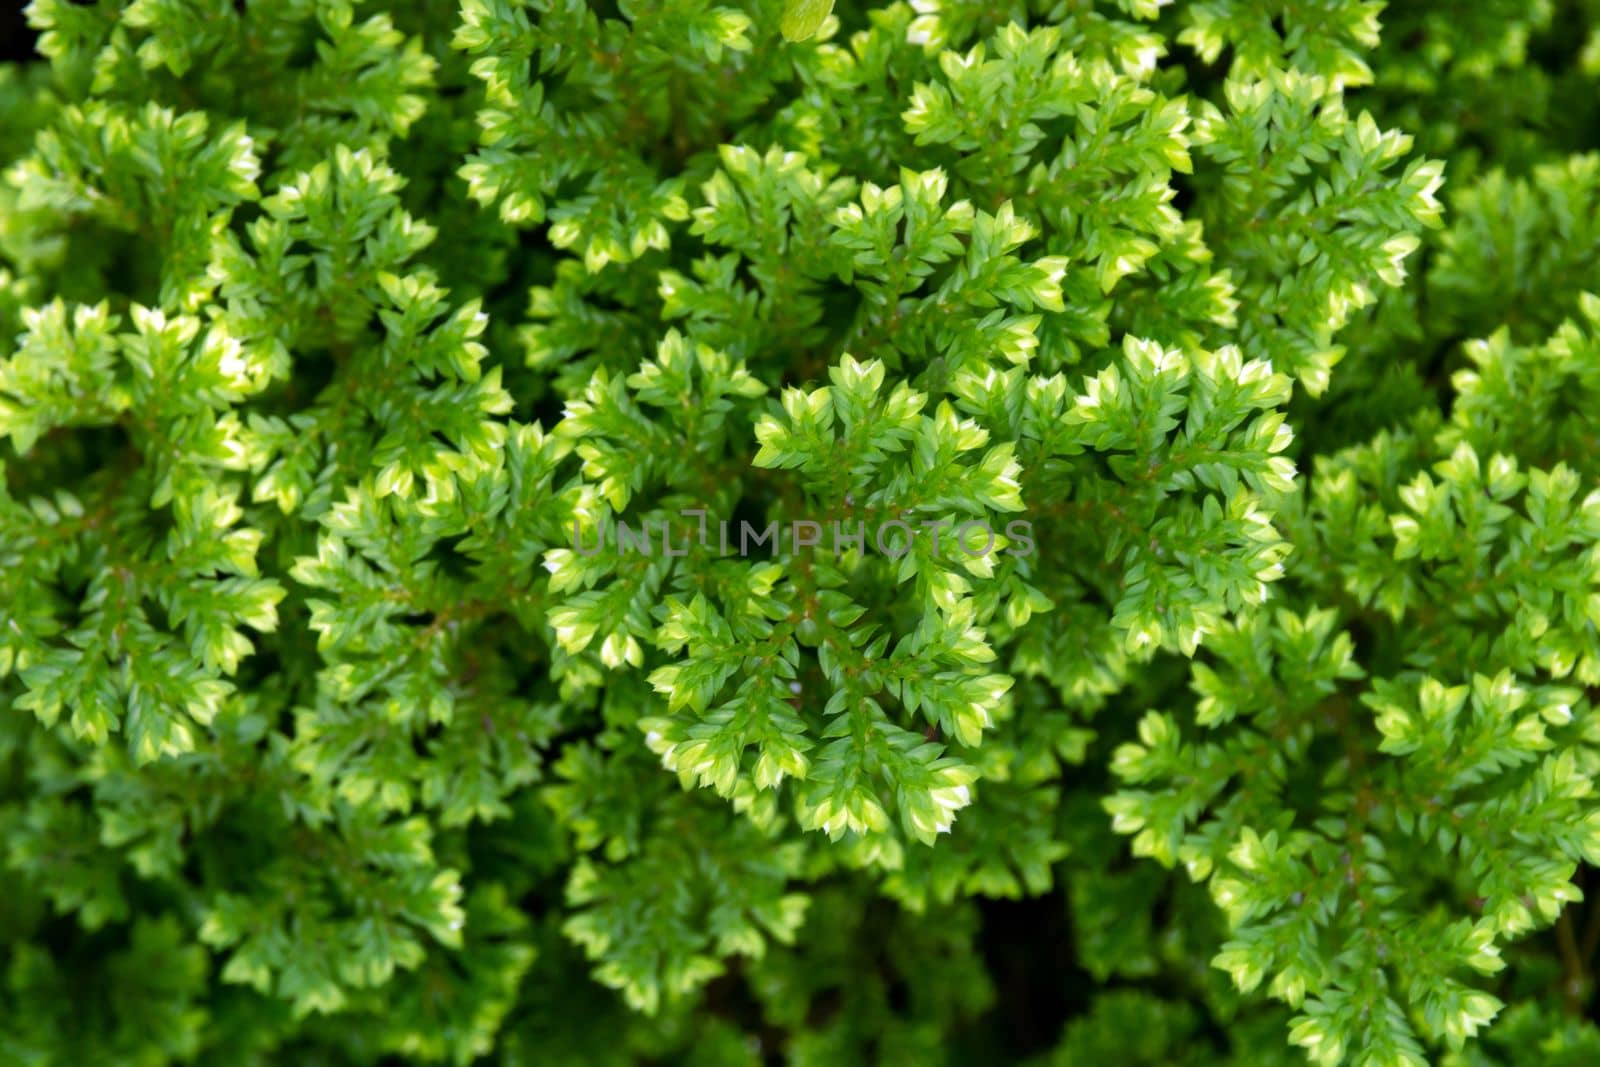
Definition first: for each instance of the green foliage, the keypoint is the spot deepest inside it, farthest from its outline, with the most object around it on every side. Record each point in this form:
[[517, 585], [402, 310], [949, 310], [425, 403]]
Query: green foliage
[[759, 531]]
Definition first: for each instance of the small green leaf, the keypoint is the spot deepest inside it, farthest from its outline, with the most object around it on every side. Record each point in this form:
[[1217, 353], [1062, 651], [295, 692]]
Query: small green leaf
[[803, 18]]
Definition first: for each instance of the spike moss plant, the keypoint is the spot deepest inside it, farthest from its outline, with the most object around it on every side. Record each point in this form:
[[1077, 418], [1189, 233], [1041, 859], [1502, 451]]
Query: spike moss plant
[[740, 532]]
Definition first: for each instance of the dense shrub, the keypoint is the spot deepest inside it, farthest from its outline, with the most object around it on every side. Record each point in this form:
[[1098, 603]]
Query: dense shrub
[[1172, 438]]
